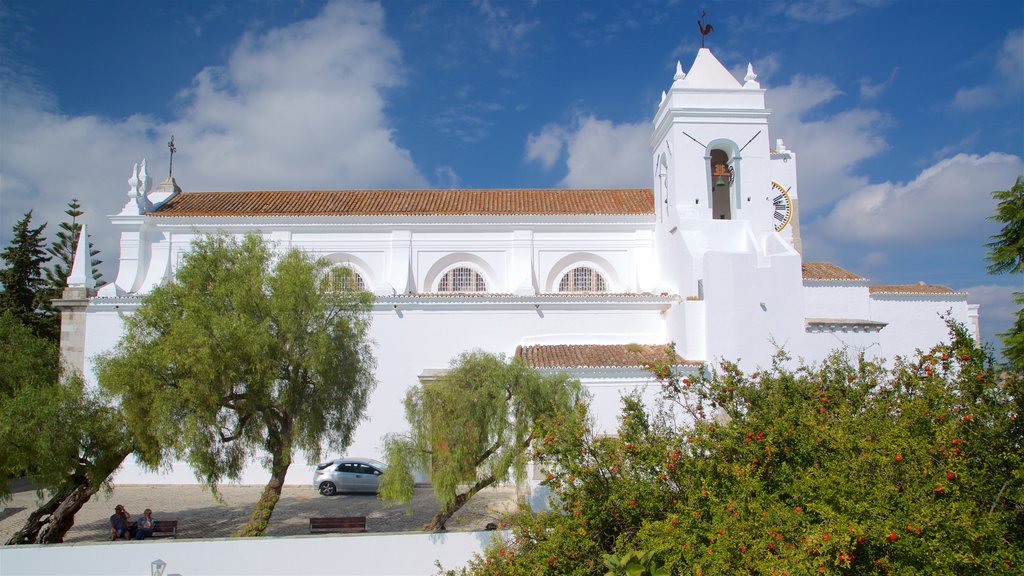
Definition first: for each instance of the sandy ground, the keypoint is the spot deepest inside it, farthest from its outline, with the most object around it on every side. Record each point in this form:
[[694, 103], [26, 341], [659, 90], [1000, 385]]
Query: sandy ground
[[201, 515]]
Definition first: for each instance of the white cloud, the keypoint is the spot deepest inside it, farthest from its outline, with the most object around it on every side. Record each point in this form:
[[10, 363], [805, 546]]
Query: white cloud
[[1010, 61], [547, 146], [1008, 78], [764, 67], [976, 97], [601, 153], [446, 177], [870, 90], [605, 154], [948, 200], [301, 106], [824, 11], [829, 147], [874, 259], [997, 309], [501, 30]]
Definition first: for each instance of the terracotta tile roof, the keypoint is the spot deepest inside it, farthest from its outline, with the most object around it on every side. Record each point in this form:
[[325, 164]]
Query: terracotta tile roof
[[827, 271], [595, 355], [919, 288], [410, 203]]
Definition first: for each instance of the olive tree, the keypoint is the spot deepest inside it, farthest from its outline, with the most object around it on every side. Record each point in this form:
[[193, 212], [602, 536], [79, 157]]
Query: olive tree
[[473, 426], [245, 354]]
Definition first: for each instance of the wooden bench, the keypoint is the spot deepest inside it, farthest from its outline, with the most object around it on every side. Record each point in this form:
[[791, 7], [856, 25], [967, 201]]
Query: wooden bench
[[165, 529], [337, 524]]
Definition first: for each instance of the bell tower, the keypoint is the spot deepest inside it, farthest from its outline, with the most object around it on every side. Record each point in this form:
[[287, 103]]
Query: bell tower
[[711, 145], [724, 221]]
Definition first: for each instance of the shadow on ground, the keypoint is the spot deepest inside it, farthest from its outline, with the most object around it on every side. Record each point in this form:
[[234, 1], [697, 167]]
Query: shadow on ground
[[200, 515]]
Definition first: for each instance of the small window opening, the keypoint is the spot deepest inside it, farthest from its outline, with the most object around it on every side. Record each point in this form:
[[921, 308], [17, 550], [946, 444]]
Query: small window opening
[[583, 279], [462, 280]]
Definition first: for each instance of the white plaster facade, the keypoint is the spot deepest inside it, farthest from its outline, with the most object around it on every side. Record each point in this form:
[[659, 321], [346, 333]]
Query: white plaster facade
[[712, 262]]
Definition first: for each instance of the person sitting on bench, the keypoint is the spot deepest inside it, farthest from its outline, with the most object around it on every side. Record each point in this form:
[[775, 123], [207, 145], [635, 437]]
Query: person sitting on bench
[[144, 527], [120, 524]]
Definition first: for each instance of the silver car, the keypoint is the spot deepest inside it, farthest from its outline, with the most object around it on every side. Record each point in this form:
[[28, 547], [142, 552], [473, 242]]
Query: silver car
[[348, 475]]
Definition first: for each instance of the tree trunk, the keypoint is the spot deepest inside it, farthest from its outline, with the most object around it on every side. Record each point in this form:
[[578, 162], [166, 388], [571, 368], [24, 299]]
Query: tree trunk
[[51, 521], [260, 517], [437, 523], [64, 517], [36, 520]]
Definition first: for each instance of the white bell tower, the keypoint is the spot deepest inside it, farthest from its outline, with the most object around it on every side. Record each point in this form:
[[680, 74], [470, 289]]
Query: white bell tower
[[723, 222], [711, 146]]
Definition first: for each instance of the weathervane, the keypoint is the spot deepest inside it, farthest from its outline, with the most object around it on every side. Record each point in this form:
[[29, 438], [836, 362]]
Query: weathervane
[[704, 29], [170, 146]]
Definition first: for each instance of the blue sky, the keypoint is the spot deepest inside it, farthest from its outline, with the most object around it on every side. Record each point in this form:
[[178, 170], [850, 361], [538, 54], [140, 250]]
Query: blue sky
[[904, 114]]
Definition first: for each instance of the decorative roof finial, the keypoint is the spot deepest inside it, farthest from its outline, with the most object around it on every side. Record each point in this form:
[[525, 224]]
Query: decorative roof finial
[[134, 184], [81, 266], [750, 77], [170, 145], [679, 71], [704, 29]]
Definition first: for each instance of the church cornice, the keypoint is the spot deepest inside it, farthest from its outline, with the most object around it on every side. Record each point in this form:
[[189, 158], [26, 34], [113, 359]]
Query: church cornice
[[829, 325], [537, 303]]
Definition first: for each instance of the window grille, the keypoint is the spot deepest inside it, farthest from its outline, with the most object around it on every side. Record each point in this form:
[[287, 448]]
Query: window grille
[[345, 279], [462, 280], [582, 279]]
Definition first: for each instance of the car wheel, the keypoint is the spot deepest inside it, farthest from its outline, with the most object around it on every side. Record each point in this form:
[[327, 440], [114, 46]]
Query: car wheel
[[328, 488]]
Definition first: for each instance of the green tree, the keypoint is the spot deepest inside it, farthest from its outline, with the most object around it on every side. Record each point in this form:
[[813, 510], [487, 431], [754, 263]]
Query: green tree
[[473, 426], [244, 354], [67, 438], [22, 277], [1006, 256], [62, 252], [841, 468]]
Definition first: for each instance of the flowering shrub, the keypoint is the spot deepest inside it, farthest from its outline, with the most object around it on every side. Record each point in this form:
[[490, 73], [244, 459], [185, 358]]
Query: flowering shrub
[[833, 469]]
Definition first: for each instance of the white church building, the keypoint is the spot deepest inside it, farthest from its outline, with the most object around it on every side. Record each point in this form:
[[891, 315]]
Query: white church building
[[592, 282]]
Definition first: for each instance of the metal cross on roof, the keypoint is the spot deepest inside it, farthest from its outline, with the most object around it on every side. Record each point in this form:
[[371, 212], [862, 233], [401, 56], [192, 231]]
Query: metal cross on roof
[[170, 146]]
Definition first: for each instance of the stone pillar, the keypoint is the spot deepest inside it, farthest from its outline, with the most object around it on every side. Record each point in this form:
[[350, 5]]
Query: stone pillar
[[72, 305]]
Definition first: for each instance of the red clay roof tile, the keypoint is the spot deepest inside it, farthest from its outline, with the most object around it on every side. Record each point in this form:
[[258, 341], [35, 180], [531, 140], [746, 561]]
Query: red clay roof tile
[[410, 203], [919, 288], [596, 355], [827, 271]]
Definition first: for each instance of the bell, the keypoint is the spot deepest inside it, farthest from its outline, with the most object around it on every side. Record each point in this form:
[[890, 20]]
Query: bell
[[720, 181]]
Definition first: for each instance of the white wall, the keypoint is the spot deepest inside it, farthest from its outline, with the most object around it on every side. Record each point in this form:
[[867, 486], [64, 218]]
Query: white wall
[[915, 321], [837, 301], [426, 333], [342, 555]]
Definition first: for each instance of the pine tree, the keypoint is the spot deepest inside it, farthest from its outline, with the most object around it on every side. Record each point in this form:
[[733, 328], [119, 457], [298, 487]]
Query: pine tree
[[1006, 256], [63, 251], [22, 277]]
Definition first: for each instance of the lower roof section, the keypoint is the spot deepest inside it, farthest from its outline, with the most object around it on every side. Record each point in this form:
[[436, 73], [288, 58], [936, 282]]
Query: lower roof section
[[599, 355]]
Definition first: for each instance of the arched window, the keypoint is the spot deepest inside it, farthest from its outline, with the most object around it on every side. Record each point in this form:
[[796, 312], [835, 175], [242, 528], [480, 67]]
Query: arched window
[[582, 279], [345, 279], [462, 280]]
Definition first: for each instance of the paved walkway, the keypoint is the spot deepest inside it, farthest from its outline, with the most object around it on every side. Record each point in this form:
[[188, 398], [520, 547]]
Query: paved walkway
[[200, 515]]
